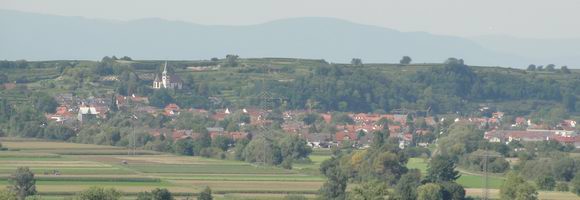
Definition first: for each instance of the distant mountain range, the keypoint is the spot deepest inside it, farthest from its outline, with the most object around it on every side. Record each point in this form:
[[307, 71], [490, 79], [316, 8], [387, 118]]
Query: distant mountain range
[[49, 37]]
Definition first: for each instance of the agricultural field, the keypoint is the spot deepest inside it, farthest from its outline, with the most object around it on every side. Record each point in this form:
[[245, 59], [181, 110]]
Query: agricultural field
[[62, 169], [473, 183]]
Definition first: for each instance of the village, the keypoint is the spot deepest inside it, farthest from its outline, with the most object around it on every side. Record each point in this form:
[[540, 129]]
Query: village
[[409, 128], [412, 128]]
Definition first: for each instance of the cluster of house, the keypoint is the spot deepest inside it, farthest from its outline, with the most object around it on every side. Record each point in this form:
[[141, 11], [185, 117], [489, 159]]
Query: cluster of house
[[75, 109], [565, 132], [359, 133], [72, 108]]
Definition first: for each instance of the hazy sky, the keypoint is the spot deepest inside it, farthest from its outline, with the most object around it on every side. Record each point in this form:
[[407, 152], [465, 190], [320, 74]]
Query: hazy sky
[[522, 18]]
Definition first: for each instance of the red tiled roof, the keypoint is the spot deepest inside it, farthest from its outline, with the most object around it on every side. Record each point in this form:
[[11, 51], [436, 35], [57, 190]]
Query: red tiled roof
[[327, 117]]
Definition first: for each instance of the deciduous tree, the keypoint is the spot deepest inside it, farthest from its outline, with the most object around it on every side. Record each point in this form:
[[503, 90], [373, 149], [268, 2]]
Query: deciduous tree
[[406, 188], [429, 191], [369, 191], [515, 187], [546, 182], [23, 183], [442, 169], [405, 60], [205, 194], [99, 193]]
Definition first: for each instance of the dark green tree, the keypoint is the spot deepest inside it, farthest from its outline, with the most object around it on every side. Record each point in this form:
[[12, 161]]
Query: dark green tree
[[205, 194], [452, 191], [430, 191], [231, 60], [551, 67], [183, 147], [569, 101], [44, 102], [335, 186], [311, 118], [546, 182], [262, 150], [405, 60], [565, 70], [375, 190], [161, 194], [23, 183], [515, 187], [564, 168], [531, 67], [576, 184], [160, 98], [222, 142], [98, 193], [442, 169], [356, 62], [113, 107], [294, 148], [379, 139], [406, 188]]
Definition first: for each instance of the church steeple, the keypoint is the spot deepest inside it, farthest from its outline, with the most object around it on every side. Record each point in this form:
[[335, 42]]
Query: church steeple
[[167, 80], [164, 76], [165, 69]]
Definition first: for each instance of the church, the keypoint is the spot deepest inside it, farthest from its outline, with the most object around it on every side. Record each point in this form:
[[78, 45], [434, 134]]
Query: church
[[170, 81]]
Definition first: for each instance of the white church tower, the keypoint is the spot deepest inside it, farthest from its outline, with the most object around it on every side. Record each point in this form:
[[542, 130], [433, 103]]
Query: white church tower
[[164, 76], [167, 80]]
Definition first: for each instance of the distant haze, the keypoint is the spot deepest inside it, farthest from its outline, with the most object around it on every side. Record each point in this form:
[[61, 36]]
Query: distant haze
[[467, 18], [49, 37]]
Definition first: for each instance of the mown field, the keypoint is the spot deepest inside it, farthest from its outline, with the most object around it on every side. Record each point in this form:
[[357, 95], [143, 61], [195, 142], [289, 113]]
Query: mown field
[[80, 166]]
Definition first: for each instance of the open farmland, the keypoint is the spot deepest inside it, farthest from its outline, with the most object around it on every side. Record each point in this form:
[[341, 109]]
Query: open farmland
[[80, 166], [65, 168]]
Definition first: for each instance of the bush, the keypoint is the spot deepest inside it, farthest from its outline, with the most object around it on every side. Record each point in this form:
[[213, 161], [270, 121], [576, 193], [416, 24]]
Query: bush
[[499, 165], [546, 183], [576, 184], [562, 187], [287, 163], [97, 193]]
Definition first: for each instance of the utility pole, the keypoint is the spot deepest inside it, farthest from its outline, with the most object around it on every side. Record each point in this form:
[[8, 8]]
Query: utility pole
[[267, 103], [485, 191], [485, 177], [132, 148]]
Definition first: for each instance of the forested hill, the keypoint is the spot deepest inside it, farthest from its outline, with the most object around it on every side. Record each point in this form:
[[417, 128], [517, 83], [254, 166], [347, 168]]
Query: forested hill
[[450, 87]]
